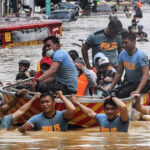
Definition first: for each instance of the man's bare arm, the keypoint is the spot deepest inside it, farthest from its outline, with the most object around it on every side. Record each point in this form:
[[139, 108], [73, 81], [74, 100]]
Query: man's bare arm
[[84, 50], [50, 72], [118, 75]]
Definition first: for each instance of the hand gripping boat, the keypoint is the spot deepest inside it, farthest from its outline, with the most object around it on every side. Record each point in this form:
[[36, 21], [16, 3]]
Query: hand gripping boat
[[80, 119]]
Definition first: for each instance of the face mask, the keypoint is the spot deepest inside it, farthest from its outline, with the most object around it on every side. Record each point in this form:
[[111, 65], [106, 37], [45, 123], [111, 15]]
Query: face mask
[[21, 70], [50, 53], [43, 71]]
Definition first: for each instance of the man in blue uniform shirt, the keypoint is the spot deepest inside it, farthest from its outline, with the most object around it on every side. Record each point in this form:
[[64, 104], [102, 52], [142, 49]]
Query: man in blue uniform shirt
[[136, 65], [110, 121], [106, 41]]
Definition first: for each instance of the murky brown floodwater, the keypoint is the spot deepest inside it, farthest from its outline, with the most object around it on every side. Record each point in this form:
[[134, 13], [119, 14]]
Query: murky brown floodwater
[[138, 136]]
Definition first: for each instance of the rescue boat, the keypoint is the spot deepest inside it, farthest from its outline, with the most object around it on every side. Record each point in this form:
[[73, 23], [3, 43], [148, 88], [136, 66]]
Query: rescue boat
[[22, 31], [80, 119]]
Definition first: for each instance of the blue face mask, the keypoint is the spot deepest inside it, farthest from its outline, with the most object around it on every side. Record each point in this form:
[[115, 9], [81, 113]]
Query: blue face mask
[[50, 53]]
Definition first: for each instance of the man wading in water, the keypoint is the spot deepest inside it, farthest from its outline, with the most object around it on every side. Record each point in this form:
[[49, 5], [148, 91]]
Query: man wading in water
[[110, 121]]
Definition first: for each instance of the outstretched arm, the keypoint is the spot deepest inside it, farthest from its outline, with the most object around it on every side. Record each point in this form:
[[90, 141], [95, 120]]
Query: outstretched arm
[[50, 72], [85, 109], [69, 106], [141, 108], [6, 107], [123, 109], [25, 107], [84, 50]]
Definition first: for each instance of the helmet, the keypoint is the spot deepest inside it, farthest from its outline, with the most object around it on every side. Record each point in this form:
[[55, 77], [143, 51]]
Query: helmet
[[97, 56], [103, 60], [24, 63]]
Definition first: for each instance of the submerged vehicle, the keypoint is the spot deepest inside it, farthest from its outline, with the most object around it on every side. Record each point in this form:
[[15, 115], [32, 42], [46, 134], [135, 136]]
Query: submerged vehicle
[[20, 31], [80, 119], [105, 7], [63, 15]]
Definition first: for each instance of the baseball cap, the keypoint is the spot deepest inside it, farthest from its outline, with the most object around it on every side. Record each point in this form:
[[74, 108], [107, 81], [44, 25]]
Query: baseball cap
[[103, 60]]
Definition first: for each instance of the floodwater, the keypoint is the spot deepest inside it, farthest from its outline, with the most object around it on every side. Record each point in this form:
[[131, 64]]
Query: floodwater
[[138, 136]]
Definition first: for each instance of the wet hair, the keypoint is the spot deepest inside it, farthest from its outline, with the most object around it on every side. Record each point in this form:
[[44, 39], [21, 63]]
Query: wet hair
[[24, 63], [44, 94], [115, 24], [110, 102], [54, 39], [73, 54], [129, 35]]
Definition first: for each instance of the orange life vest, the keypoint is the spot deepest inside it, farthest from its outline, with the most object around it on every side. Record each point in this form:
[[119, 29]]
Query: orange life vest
[[82, 84]]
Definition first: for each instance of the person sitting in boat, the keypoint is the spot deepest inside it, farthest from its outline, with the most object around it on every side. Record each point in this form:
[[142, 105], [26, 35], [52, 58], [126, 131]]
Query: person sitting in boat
[[105, 75], [136, 65], [110, 121], [50, 119], [7, 121], [141, 35], [45, 64], [62, 73], [23, 70], [86, 78], [134, 22]]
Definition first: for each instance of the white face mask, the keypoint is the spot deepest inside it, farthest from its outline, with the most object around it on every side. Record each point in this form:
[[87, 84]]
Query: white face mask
[[50, 53]]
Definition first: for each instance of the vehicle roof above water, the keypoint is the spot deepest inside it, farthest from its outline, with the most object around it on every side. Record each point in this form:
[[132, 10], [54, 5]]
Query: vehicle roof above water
[[59, 11]]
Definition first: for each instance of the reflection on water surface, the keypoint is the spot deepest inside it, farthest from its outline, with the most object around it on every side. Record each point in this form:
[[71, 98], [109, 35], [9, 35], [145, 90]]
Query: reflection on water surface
[[137, 138]]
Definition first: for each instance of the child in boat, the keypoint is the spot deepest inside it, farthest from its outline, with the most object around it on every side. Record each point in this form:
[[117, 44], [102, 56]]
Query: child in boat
[[24, 73], [45, 64], [7, 121], [110, 121], [105, 75]]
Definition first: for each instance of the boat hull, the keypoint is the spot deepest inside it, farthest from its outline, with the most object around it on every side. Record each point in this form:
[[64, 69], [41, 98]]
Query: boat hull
[[80, 119]]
